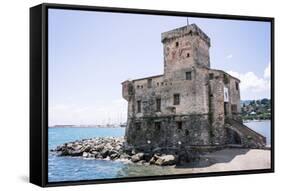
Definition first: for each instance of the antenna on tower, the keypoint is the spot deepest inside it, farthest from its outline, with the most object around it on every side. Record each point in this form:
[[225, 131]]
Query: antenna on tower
[[187, 22]]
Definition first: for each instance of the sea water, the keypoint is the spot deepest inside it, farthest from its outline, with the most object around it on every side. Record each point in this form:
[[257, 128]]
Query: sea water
[[262, 127]]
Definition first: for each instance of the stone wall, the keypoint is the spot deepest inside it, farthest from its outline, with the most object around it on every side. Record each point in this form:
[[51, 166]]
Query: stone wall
[[216, 112], [193, 93], [171, 132]]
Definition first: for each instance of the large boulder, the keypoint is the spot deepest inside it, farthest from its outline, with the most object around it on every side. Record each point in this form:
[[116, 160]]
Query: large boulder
[[113, 154], [166, 160], [85, 154], [118, 147], [104, 153], [124, 156], [87, 148], [108, 146], [137, 157], [98, 147]]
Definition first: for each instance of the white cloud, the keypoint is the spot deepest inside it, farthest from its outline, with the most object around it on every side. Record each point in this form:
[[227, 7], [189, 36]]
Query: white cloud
[[252, 86], [229, 56], [249, 81], [267, 71]]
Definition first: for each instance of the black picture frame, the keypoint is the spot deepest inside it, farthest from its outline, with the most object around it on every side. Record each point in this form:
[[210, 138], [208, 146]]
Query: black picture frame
[[39, 92]]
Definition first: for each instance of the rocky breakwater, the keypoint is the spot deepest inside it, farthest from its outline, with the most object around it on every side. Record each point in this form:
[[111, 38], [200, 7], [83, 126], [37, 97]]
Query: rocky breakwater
[[112, 148]]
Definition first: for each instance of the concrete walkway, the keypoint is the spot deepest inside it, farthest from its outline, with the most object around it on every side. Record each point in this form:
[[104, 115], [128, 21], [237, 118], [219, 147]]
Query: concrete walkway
[[233, 159]]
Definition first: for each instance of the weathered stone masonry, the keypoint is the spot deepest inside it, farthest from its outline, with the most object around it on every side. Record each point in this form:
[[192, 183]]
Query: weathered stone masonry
[[188, 106]]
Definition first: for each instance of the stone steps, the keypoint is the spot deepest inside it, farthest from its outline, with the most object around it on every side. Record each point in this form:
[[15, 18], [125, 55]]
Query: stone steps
[[249, 138]]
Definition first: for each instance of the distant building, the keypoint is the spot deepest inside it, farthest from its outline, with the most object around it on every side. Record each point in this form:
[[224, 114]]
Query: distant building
[[190, 105], [253, 113]]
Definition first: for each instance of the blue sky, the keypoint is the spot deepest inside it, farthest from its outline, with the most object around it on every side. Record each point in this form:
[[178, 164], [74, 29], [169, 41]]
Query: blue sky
[[91, 53]]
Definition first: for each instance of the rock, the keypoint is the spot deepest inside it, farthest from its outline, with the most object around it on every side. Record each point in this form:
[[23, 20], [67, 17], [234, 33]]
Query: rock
[[115, 149], [94, 154], [166, 160], [87, 148], [59, 148], [114, 156], [156, 156], [77, 147], [99, 156], [98, 147], [63, 152], [137, 157], [152, 160], [69, 145], [85, 154], [104, 153], [75, 152], [112, 152], [118, 147], [125, 156], [108, 146]]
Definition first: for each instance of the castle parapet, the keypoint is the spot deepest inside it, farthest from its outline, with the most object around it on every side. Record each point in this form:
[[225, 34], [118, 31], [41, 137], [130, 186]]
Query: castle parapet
[[183, 31]]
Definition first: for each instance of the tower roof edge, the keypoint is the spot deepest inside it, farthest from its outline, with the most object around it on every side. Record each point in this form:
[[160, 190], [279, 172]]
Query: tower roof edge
[[192, 29]]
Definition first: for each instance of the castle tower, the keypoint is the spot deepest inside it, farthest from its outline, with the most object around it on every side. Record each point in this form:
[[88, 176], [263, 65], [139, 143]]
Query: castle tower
[[186, 107], [185, 48]]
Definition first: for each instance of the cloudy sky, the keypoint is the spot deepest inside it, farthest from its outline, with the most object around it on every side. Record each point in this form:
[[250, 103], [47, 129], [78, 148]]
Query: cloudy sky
[[91, 53]]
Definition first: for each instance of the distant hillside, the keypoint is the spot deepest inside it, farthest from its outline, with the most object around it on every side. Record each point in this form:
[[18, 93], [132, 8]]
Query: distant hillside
[[256, 109]]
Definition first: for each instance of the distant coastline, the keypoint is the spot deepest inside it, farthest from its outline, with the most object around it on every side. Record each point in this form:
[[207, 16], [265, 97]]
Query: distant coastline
[[88, 126], [255, 120], [124, 125]]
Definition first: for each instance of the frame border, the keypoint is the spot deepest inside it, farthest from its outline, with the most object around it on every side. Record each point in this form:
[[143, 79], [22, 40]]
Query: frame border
[[39, 92]]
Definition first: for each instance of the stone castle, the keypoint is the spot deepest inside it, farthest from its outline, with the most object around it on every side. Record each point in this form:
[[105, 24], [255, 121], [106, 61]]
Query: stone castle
[[191, 105]]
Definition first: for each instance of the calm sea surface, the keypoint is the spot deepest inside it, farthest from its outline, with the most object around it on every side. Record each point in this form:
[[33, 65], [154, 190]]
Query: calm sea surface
[[262, 127], [76, 168]]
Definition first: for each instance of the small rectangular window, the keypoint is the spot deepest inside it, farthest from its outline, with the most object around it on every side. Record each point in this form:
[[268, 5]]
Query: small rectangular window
[[211, 76], [188, 75], [139, 106], [158, 104], [176, 99], [236, 85], [179, 125], [149, 83], [157, 125]]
